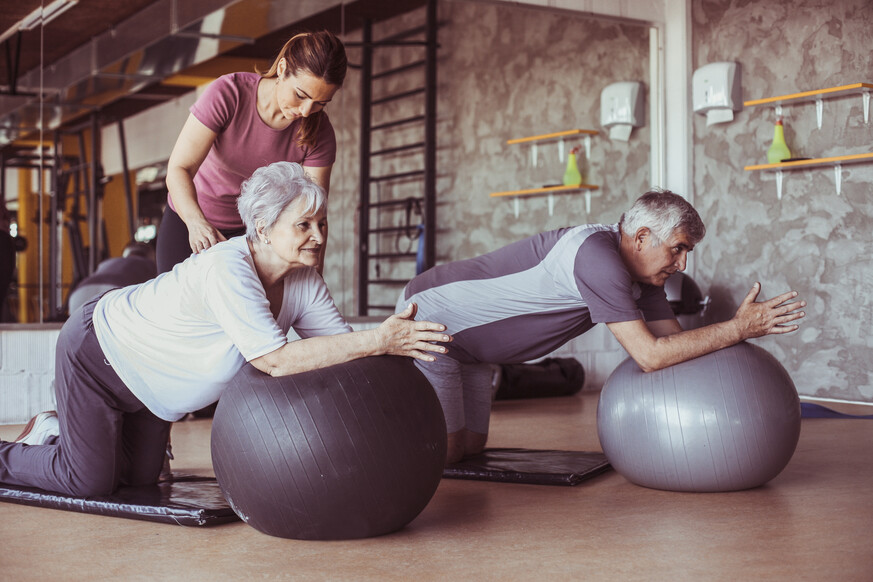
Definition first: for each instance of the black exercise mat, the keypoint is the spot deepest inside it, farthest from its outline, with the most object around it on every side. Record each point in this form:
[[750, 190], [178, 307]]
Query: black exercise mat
[[810, 410], [184, 500], [537, 467]]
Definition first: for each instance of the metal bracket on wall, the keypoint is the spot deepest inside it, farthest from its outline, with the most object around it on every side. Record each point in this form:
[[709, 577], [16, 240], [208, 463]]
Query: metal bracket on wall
[[835, 161], [779, 184]]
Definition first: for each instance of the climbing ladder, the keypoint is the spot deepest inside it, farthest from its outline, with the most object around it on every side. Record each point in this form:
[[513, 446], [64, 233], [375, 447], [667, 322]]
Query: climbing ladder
[[397, 222]]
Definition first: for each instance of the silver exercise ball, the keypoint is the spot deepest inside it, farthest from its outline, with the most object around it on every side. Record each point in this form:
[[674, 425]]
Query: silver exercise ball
[[725, 421]]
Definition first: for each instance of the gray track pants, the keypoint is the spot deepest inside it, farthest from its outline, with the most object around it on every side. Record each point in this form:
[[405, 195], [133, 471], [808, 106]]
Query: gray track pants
[[107, 437]]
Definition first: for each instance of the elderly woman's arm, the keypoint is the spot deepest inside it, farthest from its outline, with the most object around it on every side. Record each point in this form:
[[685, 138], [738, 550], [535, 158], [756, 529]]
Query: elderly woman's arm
[[399, 335]]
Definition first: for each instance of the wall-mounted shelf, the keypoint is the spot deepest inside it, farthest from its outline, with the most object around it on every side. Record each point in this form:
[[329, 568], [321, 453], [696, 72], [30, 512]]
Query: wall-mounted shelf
[[811, 163], [812, 95], [550, 191], [549, 136], [835, 161], [560, 136], [817, 96]]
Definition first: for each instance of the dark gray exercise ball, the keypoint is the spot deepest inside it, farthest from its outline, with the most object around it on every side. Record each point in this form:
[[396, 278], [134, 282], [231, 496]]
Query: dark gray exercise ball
[[725, 421], [350, 451]]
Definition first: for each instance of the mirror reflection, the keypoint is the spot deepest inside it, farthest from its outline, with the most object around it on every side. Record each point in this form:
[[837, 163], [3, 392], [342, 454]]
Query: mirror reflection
[[89, 116]]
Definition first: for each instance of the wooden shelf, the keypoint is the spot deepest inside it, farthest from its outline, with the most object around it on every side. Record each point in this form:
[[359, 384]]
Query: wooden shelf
[[818, 96], [549, 190], [799, 164], [558, 134], [812, 95]]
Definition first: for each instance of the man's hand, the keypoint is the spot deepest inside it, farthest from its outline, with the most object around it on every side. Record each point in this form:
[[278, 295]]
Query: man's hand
[[756, 319], [661, 344]]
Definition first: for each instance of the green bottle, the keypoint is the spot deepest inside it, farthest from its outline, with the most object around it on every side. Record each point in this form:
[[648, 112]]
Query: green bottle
[[778, 149], [572, 177]]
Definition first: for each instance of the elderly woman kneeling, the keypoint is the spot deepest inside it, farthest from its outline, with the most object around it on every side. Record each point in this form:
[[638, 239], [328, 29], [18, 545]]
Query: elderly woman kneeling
[[134, 360]]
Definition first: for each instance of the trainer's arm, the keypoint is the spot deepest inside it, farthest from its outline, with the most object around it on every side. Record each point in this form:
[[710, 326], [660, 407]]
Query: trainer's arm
[[192, 146], [321, 176], [753, 319], [399, 335]]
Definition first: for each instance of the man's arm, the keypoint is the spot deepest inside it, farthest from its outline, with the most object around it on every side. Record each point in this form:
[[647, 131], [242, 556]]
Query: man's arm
[[664, 327], [652, 351]]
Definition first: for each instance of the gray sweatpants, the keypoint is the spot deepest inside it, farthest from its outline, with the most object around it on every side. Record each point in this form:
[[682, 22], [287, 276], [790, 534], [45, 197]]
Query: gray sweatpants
[[107, 437], [464, 391]]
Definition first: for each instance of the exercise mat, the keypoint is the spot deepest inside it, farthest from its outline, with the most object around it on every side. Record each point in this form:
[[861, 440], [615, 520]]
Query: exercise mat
[[810, 410], [183, 500], [536, 467]]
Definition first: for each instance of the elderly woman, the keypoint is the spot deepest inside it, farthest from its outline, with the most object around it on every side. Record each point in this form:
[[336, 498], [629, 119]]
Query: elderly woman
[[134, 360]]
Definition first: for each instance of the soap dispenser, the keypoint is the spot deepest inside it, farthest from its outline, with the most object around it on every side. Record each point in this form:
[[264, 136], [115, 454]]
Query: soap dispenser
[[778, 149], [572, 176]]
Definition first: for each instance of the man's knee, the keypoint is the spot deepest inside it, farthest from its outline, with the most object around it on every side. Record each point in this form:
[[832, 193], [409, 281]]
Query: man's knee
[[464, 443], [475, 442], [456, 447]]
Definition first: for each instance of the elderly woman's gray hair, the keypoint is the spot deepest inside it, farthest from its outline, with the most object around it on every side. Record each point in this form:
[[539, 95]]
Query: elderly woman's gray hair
[[271, 189], [663, 212]]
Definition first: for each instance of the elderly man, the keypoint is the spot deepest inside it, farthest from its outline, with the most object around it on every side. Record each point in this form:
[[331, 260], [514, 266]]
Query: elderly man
[[523, 301]]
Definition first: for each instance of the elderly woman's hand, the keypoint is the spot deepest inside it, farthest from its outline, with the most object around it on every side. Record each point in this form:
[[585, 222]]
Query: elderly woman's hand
[[401, 335]]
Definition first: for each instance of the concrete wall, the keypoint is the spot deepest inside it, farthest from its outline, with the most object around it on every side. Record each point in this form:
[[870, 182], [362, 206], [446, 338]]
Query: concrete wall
[[505, 71], [812, 240], [494, 55]]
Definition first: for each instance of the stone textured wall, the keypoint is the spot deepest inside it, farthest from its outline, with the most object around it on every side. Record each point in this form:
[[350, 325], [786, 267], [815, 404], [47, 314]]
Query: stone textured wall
[[505, 71], [812, 240]]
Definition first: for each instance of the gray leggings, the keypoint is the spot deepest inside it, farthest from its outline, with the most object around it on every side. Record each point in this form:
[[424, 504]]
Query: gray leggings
[[464, 391], [108, 438]]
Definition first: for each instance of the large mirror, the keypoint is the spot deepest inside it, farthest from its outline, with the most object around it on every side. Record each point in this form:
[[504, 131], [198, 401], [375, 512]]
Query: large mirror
[[505, 71]]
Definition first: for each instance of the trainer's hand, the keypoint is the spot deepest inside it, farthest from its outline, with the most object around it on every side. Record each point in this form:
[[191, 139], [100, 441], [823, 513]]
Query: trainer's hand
[[401, 335], [772, 316], [202, 235]]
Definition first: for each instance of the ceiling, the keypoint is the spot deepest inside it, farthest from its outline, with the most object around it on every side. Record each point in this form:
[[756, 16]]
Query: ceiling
[[117, 58], [87, 19]]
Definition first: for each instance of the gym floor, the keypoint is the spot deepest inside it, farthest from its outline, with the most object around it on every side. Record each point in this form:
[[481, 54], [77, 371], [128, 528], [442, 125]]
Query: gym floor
[[813, 522]]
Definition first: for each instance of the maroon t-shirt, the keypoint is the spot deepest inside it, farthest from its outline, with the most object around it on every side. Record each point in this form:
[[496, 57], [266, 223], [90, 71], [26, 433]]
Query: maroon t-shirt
[[245, 143]]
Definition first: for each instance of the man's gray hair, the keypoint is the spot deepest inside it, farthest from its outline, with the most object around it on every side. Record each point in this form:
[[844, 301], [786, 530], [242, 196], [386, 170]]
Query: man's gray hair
[[663, 212], [271, 189]]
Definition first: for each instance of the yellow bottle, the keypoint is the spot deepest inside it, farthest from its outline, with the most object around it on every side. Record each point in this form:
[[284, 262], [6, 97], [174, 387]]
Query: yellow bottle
[[572, 177], [778, 149]]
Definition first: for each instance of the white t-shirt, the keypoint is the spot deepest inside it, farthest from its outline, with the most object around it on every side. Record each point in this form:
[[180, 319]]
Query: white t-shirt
[[177, 340]]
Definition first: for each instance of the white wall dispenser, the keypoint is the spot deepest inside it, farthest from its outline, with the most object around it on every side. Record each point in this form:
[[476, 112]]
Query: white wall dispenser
[[717, 91], [622, 108]]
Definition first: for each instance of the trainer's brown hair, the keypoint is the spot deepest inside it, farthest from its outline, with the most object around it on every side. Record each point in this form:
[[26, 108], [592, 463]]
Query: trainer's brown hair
[[320, 54]]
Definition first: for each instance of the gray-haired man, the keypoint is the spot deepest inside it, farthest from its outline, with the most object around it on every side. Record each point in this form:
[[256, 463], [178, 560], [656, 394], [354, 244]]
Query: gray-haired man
[[523, 301]]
